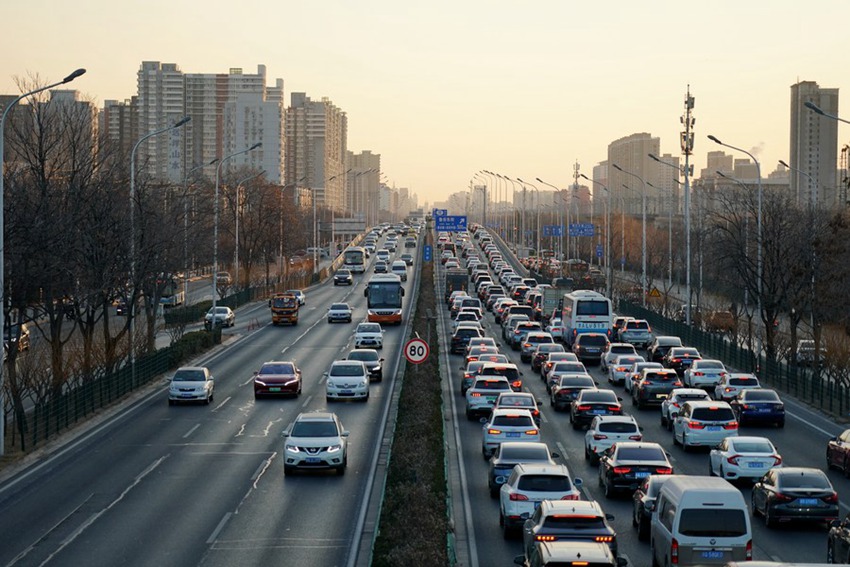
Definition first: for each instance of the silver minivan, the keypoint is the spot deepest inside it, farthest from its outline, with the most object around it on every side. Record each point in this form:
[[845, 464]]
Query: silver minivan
[[700, 520]]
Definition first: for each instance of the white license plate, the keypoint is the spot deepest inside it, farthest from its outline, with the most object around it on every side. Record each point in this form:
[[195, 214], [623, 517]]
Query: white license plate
[[661, 396]]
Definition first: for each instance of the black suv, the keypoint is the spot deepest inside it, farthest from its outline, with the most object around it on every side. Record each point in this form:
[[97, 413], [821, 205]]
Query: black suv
[[462, 336]]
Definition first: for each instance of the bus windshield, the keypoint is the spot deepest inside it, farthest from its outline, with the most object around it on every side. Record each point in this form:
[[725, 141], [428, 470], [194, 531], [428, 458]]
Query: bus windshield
[[384, 295], [354, 257], [590, 307]]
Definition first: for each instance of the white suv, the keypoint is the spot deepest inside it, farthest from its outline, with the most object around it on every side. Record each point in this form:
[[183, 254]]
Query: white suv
[[315, 441], [507, 424], [527, 486], [605, 430], [347, 380], [704, 423], [369, 335]]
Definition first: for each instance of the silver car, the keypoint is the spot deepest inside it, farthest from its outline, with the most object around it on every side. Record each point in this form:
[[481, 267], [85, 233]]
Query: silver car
[[315, 441]]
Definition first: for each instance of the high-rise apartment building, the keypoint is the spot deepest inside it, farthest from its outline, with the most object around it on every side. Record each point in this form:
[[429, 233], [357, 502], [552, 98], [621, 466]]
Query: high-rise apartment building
[[316, 138], [119, 124], [161, 103], [814, 145], [363, 191], [631, 153]]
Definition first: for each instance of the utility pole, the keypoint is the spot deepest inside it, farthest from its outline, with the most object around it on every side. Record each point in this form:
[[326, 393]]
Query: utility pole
[[687, 142], [576, 168]]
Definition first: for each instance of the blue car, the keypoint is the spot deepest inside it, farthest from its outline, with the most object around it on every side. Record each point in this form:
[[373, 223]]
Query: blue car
[[759, 405]]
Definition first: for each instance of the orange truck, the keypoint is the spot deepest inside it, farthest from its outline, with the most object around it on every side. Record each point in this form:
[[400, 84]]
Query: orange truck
[[284, 307]]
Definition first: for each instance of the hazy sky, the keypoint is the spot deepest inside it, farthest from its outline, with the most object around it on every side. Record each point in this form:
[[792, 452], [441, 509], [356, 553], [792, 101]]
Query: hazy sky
[[443, 89]]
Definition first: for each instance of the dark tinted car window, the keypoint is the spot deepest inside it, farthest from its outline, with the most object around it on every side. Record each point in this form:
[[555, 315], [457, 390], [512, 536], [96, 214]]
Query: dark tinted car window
[[640, 454], [637, 325], [277, 369], [592, 340], [492, 385], [742, 381], [761, 396], [617, 427], [574, 522], [803, 480], [599, 396], [544, 483], [314, 429], [513, 420], [523, 452], [713, 414], [591, 308], [705, 522]]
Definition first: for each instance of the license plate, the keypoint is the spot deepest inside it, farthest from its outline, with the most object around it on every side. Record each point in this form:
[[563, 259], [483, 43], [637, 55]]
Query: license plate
[[187, 395], [755, 465], [661, 396], [807, 501], [274, 389], [313, 460], [712, 554], [598, 412], [763, 410], [641, 474], [513, 435], [347, 391], [713, 428], [686, 363]]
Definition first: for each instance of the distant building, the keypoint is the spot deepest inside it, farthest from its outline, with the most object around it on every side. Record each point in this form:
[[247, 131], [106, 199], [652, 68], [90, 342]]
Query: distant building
[[161, 103], [119, 124], [813, 154], [363, 190], [631, 153]]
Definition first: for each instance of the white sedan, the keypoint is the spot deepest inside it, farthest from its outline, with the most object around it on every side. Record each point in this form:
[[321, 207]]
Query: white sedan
[[190, 384], [743, 458]]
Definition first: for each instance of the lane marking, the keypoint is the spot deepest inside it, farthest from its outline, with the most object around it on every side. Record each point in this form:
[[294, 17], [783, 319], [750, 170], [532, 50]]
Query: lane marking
[[307, 401], [221, 405], [32, 546], [218, 528], [188, 433]]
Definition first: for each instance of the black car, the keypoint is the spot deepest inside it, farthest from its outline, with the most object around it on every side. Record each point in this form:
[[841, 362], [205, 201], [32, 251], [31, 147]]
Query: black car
[[462, 336], [644, 500], [759, 405], [511, 453], [343, 277], [624, 465], [371, 359], [794, 493], [654, 387], [590, 403], [680, 358], [567, 389], [569, 520], [659, 347], [838, 542]]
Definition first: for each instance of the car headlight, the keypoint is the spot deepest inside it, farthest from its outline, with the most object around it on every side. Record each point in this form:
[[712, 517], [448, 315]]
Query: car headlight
[[174, 390], [364, 382], [334, 447], [259, 382], [292, 449]]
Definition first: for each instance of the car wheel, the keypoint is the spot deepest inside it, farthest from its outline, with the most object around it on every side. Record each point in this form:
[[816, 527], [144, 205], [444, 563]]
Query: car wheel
[[663, 421], [470, 416], [769, 521], [780, 424], [710, 469], [329, 399], [643, 529], [830, 553], [609, 491], [634, 400], [845, 468], [675, 439], [685, 446]]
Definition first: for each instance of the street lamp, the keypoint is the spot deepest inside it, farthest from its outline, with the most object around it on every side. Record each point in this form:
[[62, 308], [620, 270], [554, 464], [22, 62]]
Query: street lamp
[[537, 191], [643, 220], [132, 306], [817, 110], [669, 238], [238, 203], [186, 227], [6, 110], [687, 212], [746, 237], [610, 269], [560, 220], [215, 227], [759, 266], [280, 226]]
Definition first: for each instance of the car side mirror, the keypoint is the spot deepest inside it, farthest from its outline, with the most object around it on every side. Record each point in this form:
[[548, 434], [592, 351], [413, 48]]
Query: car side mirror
[[609, 517], [256, 372], [344, 434], [325, 374], [211, 378], [521, 374], [380, 360], [622, 562], [366, 292], [578, 482], [619, 399], [555, 455], [640, 427]]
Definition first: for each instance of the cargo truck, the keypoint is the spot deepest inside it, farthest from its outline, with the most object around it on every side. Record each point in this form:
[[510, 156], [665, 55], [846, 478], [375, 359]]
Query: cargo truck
[[284, 307], [549, 303], [456, 280]]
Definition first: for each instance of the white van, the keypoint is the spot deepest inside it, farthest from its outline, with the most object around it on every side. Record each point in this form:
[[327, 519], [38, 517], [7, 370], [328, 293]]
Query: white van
[[700, 520], [399, 268]]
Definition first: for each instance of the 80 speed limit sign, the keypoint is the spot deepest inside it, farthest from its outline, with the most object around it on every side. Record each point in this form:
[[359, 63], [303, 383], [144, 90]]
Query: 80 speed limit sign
[[416, 351]]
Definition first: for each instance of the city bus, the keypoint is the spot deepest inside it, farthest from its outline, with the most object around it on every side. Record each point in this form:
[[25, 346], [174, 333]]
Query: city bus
[[585, 311], [172, 293], [354, 259], [383, 293]]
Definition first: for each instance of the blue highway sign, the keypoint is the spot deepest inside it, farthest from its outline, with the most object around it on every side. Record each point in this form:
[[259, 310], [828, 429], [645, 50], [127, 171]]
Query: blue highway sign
[[427, 253], [450, 223], [581, 229]]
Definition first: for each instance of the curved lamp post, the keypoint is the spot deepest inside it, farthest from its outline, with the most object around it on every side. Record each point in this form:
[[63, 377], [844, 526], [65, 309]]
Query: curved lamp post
[[609, 268], [6, 110]]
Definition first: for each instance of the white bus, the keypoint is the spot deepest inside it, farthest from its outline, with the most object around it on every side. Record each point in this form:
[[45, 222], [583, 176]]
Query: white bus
[[585, 311], [354, 259]]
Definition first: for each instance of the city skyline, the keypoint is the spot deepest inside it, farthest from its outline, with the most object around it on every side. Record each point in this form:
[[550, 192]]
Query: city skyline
[[444, 90]]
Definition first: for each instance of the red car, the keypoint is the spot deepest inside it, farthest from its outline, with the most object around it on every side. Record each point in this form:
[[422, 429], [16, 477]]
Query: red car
[[838, 453], [278, 378]]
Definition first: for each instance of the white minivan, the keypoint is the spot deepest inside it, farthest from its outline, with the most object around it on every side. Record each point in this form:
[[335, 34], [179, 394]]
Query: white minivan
[[399, 268], [700, 520]]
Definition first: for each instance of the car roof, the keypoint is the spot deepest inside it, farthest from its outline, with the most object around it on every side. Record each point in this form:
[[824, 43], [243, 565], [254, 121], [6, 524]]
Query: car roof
[[615, 419], [511, 411], [316, 416], [567, 507], [542, 468]]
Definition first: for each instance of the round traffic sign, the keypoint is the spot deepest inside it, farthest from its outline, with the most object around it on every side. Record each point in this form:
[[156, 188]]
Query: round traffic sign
[[416, 351]]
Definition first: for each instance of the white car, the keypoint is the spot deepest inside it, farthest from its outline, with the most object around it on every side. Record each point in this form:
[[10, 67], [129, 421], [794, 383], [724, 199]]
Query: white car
[[481, 397], [671, 404], [224, 316], [315, 441], [467, 318], [731, 385], [339, 312], [619, 368], [383, 254], [612, 351], [399, 268], [347, 380], [190, 384], [703, 423], [743, 458], [605, 430], [507, 424], [302, 297], [556, 329], [369, 335], [552, 359], [704, 373], [527, 486]]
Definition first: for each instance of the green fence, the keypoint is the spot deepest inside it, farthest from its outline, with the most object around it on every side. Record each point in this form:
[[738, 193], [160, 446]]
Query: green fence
[[807, 385]]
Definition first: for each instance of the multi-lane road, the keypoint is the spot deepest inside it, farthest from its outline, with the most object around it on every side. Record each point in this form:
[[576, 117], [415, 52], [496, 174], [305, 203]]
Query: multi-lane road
[[204, 485], [801, 443]]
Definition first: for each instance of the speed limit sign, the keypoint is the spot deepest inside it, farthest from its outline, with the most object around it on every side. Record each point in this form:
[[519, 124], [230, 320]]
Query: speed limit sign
[[416, 351]]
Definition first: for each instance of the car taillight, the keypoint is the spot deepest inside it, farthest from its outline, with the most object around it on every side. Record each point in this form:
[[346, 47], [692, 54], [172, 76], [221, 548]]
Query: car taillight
[[677, 384], [749, 556], [647, 383], [779, 497], [777, 460], [573, 496], [676, 360], [727, 389], [545, 538], [699, 373], [527, 345], [532, 432], [663, 470], [599, 437], [518, 497], [831, 499], [475, 395], [622, 470], [604, 538], [675, 404], [731, 425], [517, 383], [674, 552], [582, 408], [636, 437], [733, 460], [494, 432], [695, 425]]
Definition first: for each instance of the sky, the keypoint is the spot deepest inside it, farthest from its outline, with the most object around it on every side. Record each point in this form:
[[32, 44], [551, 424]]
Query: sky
[[444, 89]]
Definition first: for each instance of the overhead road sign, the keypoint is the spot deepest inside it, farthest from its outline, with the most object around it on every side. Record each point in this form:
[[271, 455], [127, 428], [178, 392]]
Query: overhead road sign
[[553, 230], [581, 229], [441, 213], [450, 223]]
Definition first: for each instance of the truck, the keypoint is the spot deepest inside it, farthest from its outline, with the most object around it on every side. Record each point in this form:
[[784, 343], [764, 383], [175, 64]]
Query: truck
[[456, 279], [284, 308], [549, 303]]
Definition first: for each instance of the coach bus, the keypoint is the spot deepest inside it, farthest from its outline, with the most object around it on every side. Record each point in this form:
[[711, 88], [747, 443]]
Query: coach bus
[[354, 259], [383, 293], [585, 311]]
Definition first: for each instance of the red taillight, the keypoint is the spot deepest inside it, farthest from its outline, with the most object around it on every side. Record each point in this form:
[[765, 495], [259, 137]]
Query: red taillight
[[727, 390], [647, 383], [517, 384], [636, 437], [674, 552], [779, 497], [620, 369], [677, 360], [699, 374], [677, 384], [570, 497], [831, 499], [777, 460], [583, 408], [695, 425], [663, 470], [532, 432], [604, 538], [475, 395], [675, 404], [622, 470], [518, 497], [545, 538], [749, 556], [599, 437], [733, 460], [731, 425]]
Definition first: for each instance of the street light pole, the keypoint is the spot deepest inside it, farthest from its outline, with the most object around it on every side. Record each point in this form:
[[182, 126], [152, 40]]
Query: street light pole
[[238, 206], [759, 236], [609, 268], [537, 192], [215, 227], [669, 238], [186, 228], [6, 110], [643, 220]]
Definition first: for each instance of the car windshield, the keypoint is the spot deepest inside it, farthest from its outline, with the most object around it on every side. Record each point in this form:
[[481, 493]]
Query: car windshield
[[346, 370], [576, 381], [365, 355], [278, 368], [617, 427], [712, 522], [343, 273], [544, 483], [804, 480], [761, 396], [369, 328], [314, 429], [622, 348], [516, 401], [686, 352], [661, 376], [592, 340], [637, 325], [743, 446], [189, 376], [669, 341], [711, 365], [492, 385], [339, 307], [599, 396], [513, 420], [713, 414], [578, 522], [561, 367], [524, 452], [640, 454], [591, 307]]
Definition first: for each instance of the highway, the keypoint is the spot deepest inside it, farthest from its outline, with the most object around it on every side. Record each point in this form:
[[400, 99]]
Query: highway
[[801, 443], [204, 485]]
